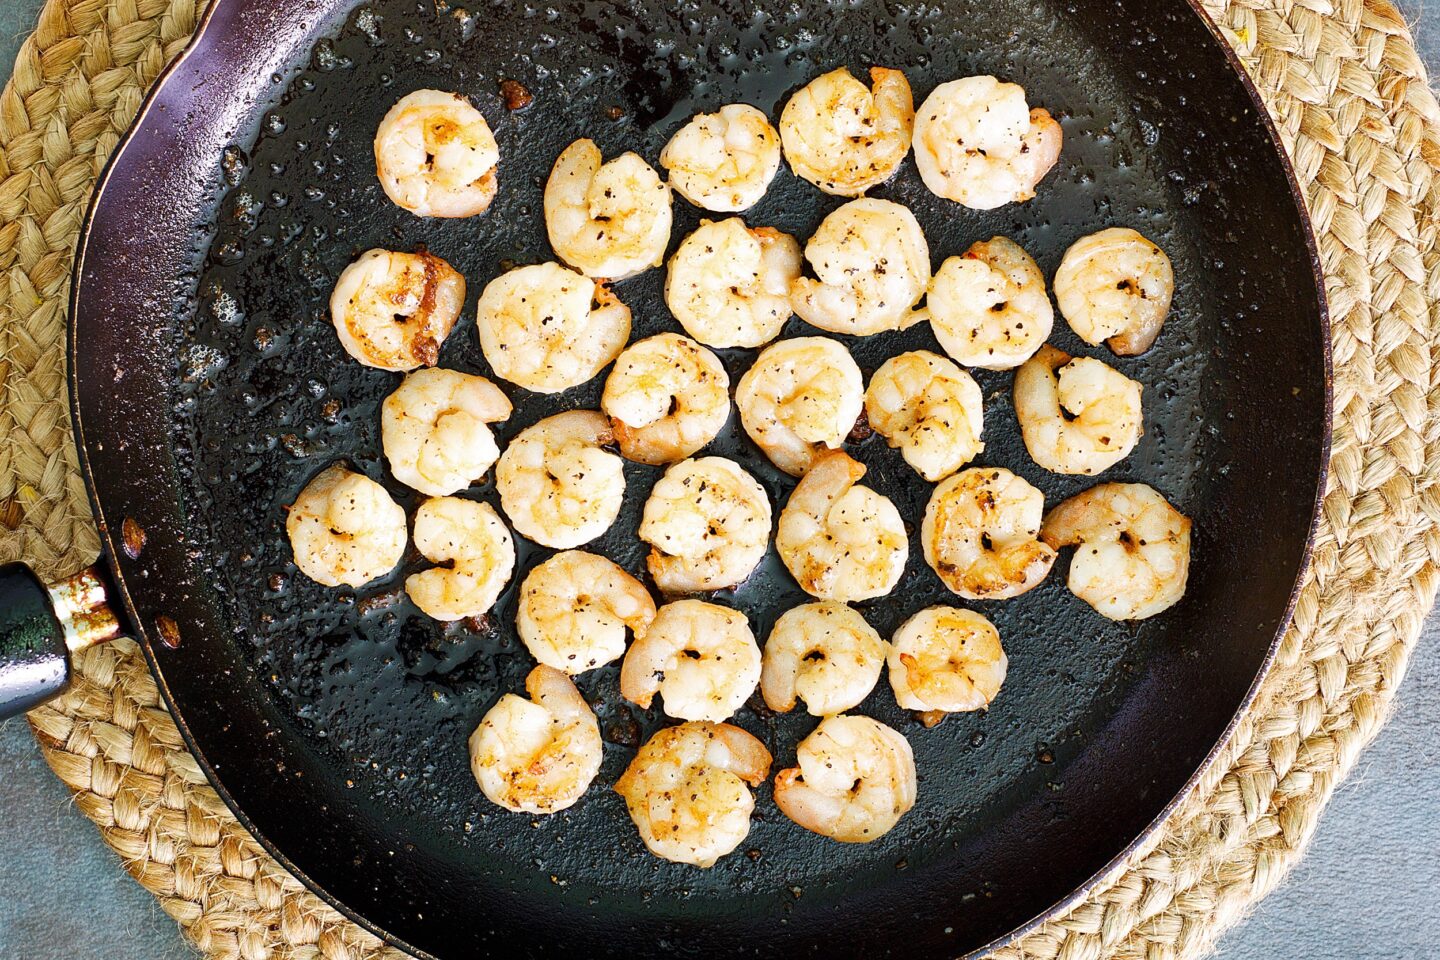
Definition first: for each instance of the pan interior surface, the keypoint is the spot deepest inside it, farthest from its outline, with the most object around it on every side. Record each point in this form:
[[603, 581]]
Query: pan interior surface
[[336, 721]]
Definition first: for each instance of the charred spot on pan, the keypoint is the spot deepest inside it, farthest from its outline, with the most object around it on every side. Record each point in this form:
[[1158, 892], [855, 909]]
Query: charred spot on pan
[[132, 538], [515, 95]]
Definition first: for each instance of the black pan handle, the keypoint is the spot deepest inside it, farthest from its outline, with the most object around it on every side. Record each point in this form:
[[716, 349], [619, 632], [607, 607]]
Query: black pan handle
[[42, 627]]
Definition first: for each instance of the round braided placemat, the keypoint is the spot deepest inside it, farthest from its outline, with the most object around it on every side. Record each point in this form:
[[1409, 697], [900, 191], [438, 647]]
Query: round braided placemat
[[1350, 96]]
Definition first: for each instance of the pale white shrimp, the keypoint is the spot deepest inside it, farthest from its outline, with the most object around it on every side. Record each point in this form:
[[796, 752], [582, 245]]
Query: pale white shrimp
[[708, 525], [800, 397], [988, 308], [434, 429], [1133, 549], [723, 161], [1115, 286], [558, 484], [844, 138], [547, 328], [700, 657], [609, 220], [667, 397], [1077, 415], [946, 660], [435, 155], [872, 266], [393, 310], [476, 554], [575, 608], [929, 408], [345, 529], [854, 780], [688, 790], [729, 284], [978, 143], [537, 755], [981, 534], [823, 653], [839, 540]]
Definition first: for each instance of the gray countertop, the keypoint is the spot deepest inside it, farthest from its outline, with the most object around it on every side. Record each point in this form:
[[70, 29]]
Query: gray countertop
[[1367, 888]]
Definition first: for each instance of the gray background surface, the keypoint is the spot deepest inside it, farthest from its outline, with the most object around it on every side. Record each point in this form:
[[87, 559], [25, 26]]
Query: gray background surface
[[1367, 889]]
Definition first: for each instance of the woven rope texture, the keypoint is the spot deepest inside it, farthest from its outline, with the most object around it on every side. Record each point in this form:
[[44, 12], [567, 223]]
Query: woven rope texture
[[1350, 95]]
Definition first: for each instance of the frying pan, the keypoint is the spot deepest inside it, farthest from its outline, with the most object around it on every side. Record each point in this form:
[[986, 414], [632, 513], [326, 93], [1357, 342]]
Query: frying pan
[[208, 387]]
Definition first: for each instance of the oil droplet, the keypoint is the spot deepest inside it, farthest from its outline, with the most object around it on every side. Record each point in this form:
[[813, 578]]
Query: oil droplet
[[169, 631]]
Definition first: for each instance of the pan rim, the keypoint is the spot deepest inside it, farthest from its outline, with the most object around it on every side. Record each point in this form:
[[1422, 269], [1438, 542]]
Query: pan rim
[[202, 38]]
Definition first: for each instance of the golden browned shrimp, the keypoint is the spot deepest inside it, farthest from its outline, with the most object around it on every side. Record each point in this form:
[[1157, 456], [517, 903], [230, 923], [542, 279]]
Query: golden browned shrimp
[[855, 779], [946, 660], [574, 610], [344, 528], [1077, 415], [435, 431], [930, 409], [475, 553], [435, 155], [608, 220], [823, 653], [1115, 286], [708, 524], [667, 397], [844, 138], [989, 308], [393, 310], [800, 397], [723, 161], [729, 284], [558, 484], [700, 657], [980, 534]]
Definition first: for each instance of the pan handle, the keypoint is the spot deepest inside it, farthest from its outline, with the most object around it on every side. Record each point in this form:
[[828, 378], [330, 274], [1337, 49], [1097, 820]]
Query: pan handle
[[42, 627]]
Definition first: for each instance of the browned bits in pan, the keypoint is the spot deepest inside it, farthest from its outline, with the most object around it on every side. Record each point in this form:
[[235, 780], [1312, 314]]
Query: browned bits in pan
[[516, 96], [132, 538]]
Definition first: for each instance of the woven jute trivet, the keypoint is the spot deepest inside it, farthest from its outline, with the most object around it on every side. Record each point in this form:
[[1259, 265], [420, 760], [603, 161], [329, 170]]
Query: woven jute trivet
[[1350, 95]]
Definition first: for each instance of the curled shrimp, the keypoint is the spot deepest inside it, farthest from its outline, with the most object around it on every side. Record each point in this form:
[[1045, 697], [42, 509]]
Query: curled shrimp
[[854, 780], [475, 555], [988, 308], [688, 790], [345, 529], [930, 409], [844, 138], [537, 755], [667, 397], [980, 534], [723, 161], [574, 610], [839, 540], [609, 220], [708, 525], [434, 429], [800, 397], [1115, 286], [435, 155], [872, 265], [729, 284], [979, 144], [823, 653], [558, 484], [700, 657], [547, 329], [393, 310], [946, 660], [1077, 415], [1133, 549]]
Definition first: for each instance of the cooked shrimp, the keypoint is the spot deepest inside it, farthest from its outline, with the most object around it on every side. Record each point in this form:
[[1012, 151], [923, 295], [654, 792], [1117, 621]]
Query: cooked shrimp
[[537, 755], [1077, 415], [548, 329], [823, 653], [855, 779], [708, 524], [667, 397], [930, 409], [557, 483], [729, 284], [988, 308], [475, 553], [723, 161], [946, 660], [1134, 549], [1115, 286], [839, 540], [574, 610], [700, 657], [608, 220], [979, 144], [801, 396], [344, 528], [433, 428], [844, 138], [980, 534], [435, 155], [872, 266], [687, 790], [393, 310]]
